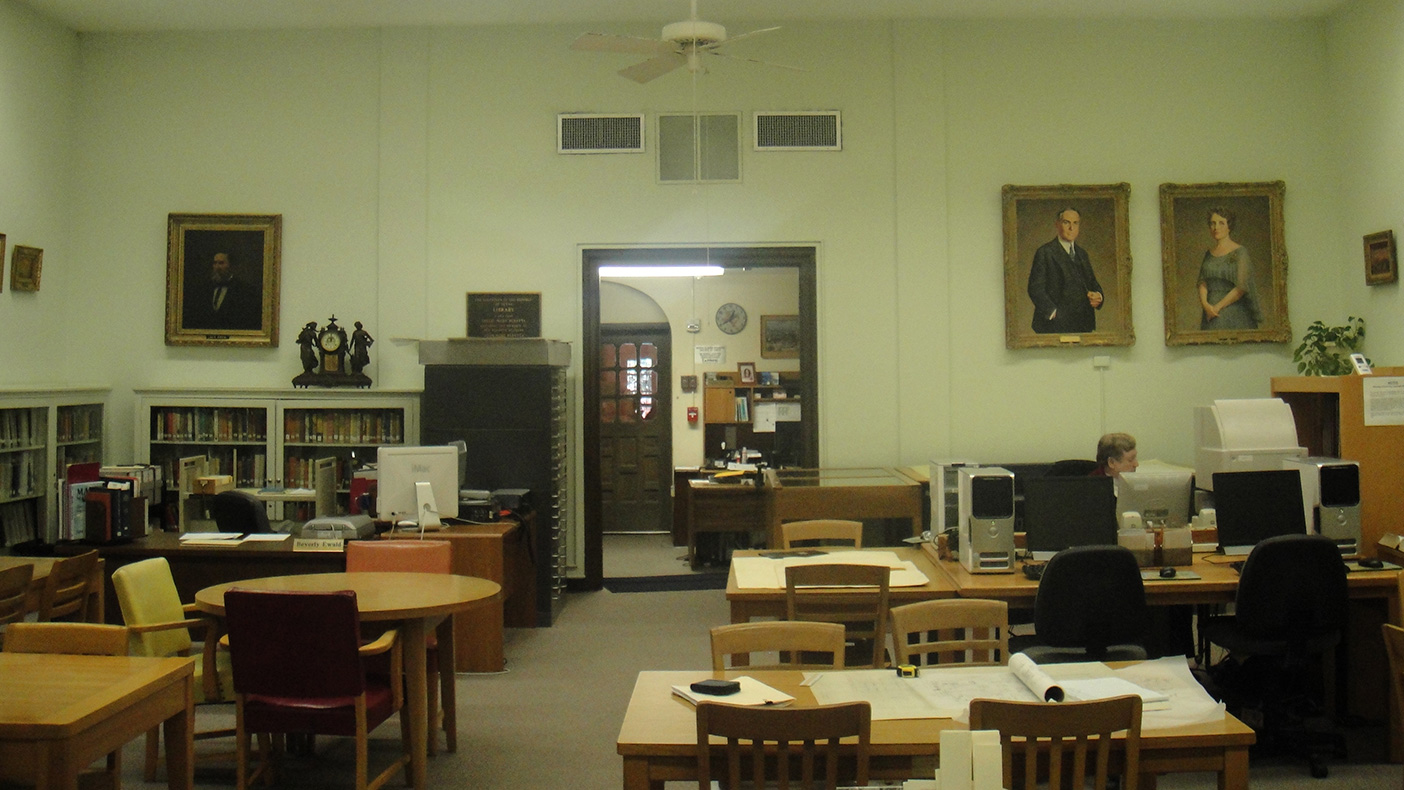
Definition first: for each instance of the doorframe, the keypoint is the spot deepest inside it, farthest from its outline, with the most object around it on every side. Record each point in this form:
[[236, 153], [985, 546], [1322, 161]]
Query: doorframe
[[803, 258]]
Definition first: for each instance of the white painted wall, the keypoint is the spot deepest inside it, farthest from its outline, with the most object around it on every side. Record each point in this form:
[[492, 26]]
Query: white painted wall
[[414, 165]]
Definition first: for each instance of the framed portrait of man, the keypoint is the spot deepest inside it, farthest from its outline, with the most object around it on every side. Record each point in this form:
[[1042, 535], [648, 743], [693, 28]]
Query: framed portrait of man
[[222, 274], [1224, 263], [1067, 266]]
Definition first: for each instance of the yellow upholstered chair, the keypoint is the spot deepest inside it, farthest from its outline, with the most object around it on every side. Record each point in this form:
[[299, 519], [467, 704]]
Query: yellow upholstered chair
[[822, 531], [795, 641], [1056, 731], [417, 556], [963, 631], [160, 626]]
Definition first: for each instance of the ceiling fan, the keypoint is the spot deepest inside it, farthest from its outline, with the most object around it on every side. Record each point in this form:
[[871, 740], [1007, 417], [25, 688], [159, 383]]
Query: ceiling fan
[[681, 45]]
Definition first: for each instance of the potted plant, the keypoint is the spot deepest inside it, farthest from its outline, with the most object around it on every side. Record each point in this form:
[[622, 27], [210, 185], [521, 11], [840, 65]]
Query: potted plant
[[1325, 350]]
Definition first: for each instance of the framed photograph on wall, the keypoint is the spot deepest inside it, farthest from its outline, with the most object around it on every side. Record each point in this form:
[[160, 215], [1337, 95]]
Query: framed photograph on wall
[[1381, 261], [1224, 263], [222, 275], [780, 336], [1067, 266], [26, 265], [2, 262]]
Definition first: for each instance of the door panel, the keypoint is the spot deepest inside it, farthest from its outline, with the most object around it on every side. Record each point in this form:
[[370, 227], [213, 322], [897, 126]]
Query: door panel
[[635, 429]]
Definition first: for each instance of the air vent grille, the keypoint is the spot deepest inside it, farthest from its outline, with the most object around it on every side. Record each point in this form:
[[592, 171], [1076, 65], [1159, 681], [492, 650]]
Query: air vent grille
[[799, 131], [705, 147], [599, 134]]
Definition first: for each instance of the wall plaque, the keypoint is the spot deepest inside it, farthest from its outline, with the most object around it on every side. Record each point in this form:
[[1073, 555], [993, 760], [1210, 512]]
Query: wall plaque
[[504, 314]]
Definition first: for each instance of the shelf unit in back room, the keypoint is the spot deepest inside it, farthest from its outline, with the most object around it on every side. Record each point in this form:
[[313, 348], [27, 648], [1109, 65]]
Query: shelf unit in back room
[[42, 431], [508, 399]]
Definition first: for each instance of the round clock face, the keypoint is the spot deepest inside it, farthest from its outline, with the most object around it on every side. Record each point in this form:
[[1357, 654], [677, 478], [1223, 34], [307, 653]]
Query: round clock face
[[731, 318], [330, 341]]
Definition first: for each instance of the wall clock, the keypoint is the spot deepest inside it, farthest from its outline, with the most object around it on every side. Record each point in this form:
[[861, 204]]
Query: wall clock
[[731, 318]]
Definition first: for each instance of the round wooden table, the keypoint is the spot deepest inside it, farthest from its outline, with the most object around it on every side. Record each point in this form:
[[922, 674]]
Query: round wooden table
[[417, 601]]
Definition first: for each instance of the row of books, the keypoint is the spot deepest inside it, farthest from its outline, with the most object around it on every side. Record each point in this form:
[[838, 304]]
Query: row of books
[[248, 468], [19, 521], [19, 476], [344, 426], [22, 428], [299, 472], [103, 504], [209, 424], [79, 423]]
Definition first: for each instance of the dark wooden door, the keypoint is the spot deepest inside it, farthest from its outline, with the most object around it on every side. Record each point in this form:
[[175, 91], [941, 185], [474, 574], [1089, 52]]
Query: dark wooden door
[[636, 435]]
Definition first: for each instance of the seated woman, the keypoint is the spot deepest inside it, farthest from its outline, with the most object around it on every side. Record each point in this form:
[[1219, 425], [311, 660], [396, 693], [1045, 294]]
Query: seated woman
[[1116, 453]]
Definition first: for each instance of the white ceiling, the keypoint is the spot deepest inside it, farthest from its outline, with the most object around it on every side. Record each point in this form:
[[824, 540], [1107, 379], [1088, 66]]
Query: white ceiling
[[149, 15]]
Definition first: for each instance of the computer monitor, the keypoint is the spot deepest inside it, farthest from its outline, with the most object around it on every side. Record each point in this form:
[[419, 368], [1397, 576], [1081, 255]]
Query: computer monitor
[[1163, 496], [1253, 506], [400, 471], [1062, 512]]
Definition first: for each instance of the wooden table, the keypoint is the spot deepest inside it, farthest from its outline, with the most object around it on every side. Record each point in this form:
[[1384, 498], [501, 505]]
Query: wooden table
[[59, 713], [97, 600], [720, 508], [858, 494], [658, 739], [417, 601], [751, 603]]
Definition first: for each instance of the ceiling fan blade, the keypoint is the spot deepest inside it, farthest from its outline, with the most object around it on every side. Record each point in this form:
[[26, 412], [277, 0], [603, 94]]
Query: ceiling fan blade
[[744, 35], [654, 67], [606, 42], [762, 62]]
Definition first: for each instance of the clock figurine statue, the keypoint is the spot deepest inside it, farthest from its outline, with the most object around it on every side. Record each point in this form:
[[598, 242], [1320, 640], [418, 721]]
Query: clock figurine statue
[[324, 353]]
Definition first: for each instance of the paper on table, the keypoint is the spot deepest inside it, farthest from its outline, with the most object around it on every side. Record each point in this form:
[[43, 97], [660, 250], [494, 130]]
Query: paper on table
[[753, 692], [1106, 688], [210, 536], [267, 536], [1038, 681]]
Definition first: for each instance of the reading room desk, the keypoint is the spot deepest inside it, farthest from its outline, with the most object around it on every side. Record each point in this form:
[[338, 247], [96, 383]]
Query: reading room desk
[[59, 713], [658, 738], [749, 603]]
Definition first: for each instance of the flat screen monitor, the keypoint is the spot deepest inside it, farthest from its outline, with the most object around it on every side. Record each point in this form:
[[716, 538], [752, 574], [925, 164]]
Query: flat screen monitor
[[400, 469], [1162, 497], [1062, 512], [1254, 506]]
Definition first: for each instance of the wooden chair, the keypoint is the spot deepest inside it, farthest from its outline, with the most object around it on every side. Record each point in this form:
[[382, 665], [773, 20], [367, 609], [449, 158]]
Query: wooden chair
[[1394, 646], [1054, 728], [298, 668], [854, 596], [822, 532], [14, 593], [967, 632], [83, 639], [763, 735], [794, 641], [417, 556], [67, 589], [160, 626]]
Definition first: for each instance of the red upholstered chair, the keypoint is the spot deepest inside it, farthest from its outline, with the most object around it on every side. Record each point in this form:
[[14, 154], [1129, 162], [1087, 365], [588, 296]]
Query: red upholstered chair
[[298, 668], [417, 556]]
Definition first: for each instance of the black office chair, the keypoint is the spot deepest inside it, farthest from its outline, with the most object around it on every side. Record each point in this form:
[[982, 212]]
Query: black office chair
[[236, 511], [1091, 606], [1071, 467], [1290, 608]]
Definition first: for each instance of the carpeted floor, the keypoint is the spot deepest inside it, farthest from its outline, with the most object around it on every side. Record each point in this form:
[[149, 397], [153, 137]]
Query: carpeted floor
[[670, 583]]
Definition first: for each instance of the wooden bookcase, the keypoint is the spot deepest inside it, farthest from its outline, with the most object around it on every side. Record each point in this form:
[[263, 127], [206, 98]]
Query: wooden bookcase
[[1330, 416], [272, 437], [729, 410], [41, 433]]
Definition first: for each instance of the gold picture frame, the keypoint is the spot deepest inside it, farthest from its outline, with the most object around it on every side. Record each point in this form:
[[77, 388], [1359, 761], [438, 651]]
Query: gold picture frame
[[1381, 258], [1253, 249], [222, 279], [1036, 265], [2, 262], [780, 336], [26, 265]]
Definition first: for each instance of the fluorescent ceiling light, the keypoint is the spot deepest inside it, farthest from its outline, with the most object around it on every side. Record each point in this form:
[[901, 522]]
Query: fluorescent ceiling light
[[661, 271]]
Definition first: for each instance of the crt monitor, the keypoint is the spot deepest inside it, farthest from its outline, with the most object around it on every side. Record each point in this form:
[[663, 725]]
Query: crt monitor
[[1162, 497], [1062, 512], [399, 470], [1253, 506]]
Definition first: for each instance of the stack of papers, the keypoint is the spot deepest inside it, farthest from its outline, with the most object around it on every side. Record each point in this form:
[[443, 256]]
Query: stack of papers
[[211, 539], [753, 692]]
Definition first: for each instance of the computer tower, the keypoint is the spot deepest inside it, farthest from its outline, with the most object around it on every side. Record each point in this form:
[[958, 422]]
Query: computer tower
[[945, 497], [986, 498], [1331, 495]]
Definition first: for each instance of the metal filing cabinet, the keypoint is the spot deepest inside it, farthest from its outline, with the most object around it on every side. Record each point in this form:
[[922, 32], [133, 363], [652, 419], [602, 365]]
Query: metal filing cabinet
[[507, 398]]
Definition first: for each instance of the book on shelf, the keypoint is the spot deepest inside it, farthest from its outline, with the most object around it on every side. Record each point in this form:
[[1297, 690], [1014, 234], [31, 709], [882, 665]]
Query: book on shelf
[[743, 409]]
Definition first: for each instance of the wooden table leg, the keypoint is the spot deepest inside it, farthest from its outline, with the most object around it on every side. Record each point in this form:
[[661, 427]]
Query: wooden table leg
[[1235, 773], [416, 691], [448, 687], [636, 775], [180, 742]]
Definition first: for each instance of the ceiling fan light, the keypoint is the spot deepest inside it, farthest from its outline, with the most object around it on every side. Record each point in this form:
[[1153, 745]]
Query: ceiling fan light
[[694, 31]]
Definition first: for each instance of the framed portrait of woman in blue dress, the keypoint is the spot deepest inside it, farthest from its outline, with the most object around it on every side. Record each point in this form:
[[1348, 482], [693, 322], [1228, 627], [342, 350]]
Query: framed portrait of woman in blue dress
[[1224, 263]]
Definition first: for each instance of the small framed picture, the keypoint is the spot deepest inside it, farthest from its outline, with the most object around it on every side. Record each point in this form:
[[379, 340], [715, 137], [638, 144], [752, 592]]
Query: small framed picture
[[780, 336], [1381, 262], [25, 268], [746, 372], [2, 261]]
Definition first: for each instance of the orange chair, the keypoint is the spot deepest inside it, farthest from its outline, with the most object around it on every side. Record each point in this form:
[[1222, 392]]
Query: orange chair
[[417, 556]]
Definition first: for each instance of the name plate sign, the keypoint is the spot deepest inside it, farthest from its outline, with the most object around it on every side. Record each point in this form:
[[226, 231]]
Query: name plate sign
[[504, 315], [319, 544]]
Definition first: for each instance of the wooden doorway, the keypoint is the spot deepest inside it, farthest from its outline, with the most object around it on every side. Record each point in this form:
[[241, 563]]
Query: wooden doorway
[[636, 429], [801, 258]]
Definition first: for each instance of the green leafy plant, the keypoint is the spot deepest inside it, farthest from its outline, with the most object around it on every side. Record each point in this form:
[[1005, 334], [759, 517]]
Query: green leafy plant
[[1325, 350]]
